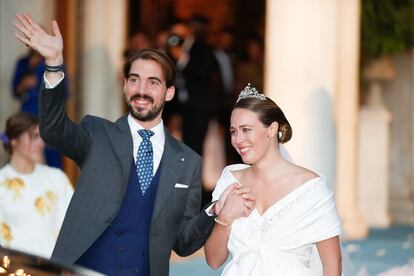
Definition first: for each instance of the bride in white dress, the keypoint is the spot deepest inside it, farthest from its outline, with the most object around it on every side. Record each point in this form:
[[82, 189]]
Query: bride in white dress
[[294, 219]]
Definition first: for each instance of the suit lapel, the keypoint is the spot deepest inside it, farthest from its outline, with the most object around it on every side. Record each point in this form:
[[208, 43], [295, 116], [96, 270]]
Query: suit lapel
[[120, 136], [172, 164]]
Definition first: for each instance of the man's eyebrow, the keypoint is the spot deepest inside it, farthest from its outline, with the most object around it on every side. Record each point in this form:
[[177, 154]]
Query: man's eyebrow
[[138, 76], [155, 78], [133, 75]]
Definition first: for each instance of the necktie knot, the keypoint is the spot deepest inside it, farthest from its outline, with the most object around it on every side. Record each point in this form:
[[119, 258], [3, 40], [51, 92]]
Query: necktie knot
[[145, 133]]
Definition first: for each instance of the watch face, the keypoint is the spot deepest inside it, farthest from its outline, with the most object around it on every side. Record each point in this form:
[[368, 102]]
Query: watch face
[[14, 262]]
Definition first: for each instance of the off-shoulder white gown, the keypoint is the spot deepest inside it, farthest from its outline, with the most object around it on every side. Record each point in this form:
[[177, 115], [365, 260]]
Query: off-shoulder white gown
[[282, 240]]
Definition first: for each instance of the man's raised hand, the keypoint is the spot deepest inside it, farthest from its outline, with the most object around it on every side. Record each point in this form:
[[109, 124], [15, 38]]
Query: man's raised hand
[[50, 46]]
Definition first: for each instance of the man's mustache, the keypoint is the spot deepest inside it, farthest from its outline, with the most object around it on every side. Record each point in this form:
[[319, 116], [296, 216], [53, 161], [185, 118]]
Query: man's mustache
[[141, 97]]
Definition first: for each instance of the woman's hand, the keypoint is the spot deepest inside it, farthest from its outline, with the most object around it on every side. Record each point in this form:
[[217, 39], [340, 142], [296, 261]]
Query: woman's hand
[[50, 46]]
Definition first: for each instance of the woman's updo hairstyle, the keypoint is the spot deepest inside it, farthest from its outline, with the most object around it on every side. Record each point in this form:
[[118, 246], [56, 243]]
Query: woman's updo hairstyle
[[16, 125], [268, 112]]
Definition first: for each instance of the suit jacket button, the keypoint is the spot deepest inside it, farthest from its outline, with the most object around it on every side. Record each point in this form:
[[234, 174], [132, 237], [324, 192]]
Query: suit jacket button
[[136, 270], [119, 233]]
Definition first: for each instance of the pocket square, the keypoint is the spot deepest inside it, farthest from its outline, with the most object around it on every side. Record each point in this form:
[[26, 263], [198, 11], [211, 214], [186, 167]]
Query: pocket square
[[179, 185]]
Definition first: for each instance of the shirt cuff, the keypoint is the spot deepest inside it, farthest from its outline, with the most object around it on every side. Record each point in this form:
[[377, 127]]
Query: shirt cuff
[[50, 86], [210, 209]]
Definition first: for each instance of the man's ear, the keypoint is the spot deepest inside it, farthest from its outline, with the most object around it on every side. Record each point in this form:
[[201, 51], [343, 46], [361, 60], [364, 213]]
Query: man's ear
[[169, 95], [125, 85]]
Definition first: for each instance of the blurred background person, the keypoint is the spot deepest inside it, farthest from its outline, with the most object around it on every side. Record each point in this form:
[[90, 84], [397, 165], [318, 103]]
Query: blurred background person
[[198, 86], [27, 80], [224, 53], [161, 40], [250, 66], [33, 196], [198, 98], [226, 59], [138, 41]]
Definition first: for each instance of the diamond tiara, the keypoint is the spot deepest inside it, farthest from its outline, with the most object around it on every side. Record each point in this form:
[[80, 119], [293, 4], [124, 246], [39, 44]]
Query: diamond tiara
[[250, 92]]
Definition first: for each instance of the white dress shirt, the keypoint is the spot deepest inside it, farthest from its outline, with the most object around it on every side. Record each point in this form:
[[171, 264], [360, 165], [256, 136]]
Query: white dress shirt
[[157, 140]]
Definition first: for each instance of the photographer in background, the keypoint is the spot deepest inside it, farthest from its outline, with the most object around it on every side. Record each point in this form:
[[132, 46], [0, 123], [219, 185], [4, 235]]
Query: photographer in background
[[198, 85]]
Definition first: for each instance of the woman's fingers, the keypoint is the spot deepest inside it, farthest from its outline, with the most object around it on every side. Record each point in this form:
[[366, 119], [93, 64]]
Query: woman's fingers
[[249, 196], [249, 204], [229, 190], [245, 193]]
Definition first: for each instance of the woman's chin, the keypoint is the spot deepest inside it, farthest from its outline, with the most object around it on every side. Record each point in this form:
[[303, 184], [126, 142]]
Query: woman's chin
[[246, 160]]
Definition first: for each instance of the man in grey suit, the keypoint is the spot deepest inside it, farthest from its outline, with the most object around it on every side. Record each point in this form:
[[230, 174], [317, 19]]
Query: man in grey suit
[[139, 193]]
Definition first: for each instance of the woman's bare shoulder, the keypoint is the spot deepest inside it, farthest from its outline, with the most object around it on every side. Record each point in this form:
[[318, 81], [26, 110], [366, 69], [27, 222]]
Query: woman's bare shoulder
[[238, 174], [301, 175]]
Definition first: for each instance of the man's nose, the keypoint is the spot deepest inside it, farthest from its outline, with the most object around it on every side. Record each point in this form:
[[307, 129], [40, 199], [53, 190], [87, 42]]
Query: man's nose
[[142, 86]]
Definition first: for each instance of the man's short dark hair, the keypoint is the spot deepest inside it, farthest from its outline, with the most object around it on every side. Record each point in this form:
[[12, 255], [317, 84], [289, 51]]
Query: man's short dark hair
[[167, 66]]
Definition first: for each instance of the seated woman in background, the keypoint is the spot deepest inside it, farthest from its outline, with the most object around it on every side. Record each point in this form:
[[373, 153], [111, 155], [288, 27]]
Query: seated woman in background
[[33, 196]]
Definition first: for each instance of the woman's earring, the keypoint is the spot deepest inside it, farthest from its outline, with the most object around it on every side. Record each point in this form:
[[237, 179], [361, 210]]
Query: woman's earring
[[279, 134]]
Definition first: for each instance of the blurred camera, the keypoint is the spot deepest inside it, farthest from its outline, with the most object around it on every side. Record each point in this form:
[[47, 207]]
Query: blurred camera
[[175, 40]]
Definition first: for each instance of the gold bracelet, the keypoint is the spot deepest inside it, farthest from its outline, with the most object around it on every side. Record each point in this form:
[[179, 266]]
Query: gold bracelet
[[221, 222]]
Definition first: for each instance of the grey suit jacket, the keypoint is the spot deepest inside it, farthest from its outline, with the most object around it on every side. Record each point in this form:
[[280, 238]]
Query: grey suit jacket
[[103, 150]]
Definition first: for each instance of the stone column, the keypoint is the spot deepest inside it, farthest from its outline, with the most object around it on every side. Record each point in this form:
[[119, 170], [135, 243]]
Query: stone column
[[399, 99], [300, 62], [346, 112], [311, 71], [104, 26], [374, 156]]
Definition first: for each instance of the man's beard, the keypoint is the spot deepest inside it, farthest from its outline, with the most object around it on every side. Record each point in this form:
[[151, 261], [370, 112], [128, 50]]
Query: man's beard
[[142, 114]]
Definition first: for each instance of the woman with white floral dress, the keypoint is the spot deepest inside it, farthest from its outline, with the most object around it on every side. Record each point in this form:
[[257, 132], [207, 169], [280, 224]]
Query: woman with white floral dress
[[33, 197]]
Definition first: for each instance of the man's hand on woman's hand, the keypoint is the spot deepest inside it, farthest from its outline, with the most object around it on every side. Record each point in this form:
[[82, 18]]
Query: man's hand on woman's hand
[[235, 202]]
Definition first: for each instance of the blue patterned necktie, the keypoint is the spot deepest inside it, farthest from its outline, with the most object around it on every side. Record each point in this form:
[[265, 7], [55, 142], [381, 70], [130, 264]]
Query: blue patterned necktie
[[144, 160]]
